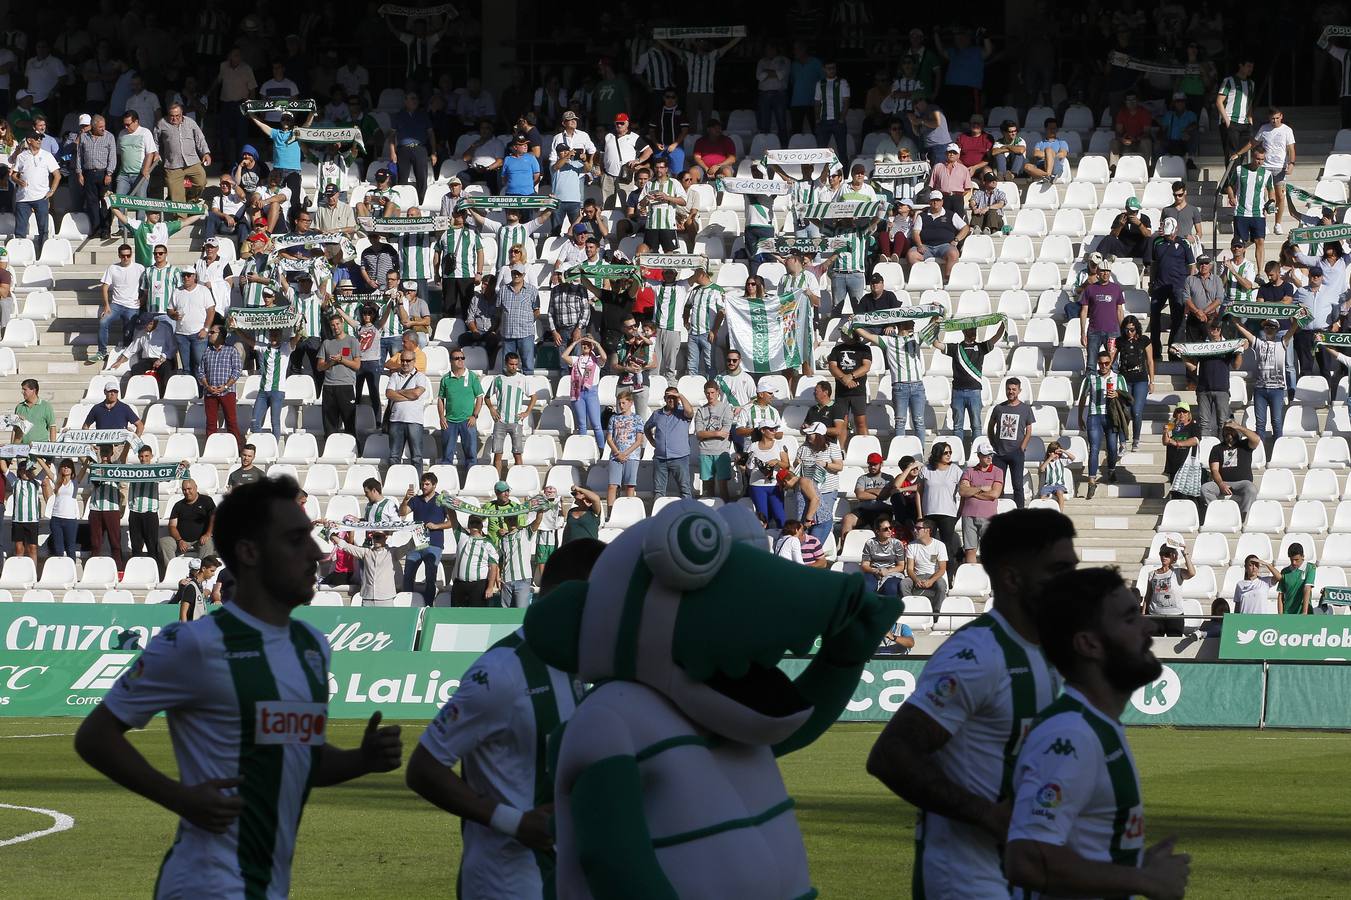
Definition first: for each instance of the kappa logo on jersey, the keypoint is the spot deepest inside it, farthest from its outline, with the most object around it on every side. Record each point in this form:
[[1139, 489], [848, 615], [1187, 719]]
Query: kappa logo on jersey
[[967, 654], [1062, 747], [281, 722], [478, 676]]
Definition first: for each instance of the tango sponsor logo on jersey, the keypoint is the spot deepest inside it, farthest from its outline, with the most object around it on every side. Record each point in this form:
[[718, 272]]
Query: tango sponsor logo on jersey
[[281, 722]]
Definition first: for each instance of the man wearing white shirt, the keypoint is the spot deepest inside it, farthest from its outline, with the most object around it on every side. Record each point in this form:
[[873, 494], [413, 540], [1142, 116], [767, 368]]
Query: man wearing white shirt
[[37, 176], [144, 102], [212, 273], [8, 61], [625, 151], [1279, 141], [121, 287], [45, 73], [152, 353], [1255, 594], [193, 307], [571, 138], [354, 78], [408, 393], [485, 156]]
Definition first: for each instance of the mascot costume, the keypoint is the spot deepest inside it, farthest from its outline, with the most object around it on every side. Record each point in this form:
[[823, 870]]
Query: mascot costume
[[666, 784]]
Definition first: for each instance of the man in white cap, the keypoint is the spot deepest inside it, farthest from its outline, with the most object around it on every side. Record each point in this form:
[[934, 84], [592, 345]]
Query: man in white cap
[[936, 234], [980, 489], [953, 179], [761, 413], [819, 461]]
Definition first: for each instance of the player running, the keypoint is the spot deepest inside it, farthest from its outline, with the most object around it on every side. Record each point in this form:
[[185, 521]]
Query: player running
[[1078, 825], [246, 692], [498, 722], [950, 749]]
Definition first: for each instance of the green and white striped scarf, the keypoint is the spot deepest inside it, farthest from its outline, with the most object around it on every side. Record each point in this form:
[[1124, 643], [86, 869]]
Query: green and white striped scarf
[[148, 204], [138, 473]]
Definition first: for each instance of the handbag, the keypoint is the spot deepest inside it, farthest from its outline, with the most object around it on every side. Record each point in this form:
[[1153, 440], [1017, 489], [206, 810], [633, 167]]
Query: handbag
[[1187, 479]]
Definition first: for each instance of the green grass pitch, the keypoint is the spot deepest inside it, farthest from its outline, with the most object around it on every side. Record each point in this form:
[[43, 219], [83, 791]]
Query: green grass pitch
[[1262, 813]]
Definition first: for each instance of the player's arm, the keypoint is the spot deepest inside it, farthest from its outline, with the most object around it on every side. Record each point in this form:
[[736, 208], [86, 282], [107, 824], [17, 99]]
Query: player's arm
[[902, 759], [1057, 870], [381, 750]]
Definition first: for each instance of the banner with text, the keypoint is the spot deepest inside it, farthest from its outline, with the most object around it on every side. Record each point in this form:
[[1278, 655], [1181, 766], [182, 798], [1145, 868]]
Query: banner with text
[[364, 629], [1285, 637]]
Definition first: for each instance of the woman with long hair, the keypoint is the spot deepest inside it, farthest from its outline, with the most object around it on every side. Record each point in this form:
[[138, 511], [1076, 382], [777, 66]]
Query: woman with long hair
[[766, 458], [1133, 359], [65, 517], [584, 359], [941, 477]]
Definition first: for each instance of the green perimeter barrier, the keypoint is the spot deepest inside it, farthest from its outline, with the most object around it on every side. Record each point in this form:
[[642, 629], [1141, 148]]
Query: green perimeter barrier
[[1309, 696], [467, 630], [364, 629], [72, 628]]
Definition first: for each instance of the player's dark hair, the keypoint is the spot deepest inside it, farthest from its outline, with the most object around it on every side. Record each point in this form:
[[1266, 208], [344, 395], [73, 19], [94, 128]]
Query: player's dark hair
[[372, 484], [571, 562], [246, 510], [1072, 602], [1022, 533]]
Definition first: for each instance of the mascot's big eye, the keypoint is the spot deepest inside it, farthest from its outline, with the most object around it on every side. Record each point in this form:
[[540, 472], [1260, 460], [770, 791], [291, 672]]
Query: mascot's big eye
[[686, 545]]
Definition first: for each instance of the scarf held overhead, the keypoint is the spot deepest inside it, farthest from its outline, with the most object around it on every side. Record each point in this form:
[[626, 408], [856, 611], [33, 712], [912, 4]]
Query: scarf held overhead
[[138, 473], [673, 261], [697, 32], [404, 225], [886, 317], [766, 331], [1269, 311], [533, 201], [263, 318], [249, 107], [149, 204], [335, 135], [769, 186], [1208, 349], [536, 503]]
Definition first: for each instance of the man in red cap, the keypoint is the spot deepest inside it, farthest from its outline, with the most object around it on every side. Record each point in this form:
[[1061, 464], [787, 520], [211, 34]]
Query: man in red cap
[[625, 150], [872, 491]]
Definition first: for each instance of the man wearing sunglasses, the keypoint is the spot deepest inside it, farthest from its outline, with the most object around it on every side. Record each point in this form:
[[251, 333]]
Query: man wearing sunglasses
[[121, 287]]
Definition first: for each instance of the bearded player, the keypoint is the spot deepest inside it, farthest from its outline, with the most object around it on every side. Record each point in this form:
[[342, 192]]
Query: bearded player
[[246, 693], [951, 748], [498, 723], [1078, 825]]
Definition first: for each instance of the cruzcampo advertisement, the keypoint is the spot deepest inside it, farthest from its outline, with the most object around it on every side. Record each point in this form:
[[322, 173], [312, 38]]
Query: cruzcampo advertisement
[[1286, 637]]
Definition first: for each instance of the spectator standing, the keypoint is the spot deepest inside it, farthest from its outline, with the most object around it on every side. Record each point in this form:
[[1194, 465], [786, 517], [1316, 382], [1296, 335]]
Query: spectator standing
[[979, 490], [1172, 263], [1103, 306], [701, 64], [965, 75], [570, 309], [247, 473], [184, 151], [668, 312], [1294, 592], [939, 499], [926, 565], [1099, 388], [137, 154], [883, 561], [37, 412], [112, 413], [1010, 430], [771, 79], [713, 428], [1233, 100], [624, 437], [459, 260], [217, 373], [662, 196], [407, 396], [805, 72], [819, 462], [237, 83], [31, 488], [1177, 129], [849, 362], [668, 128], [37, 175], [1278, 141], [459, 399], [412, 143], [64, 521], [517, 547], [1163, 590], [1240, 275], [584, 358], [193, 310], [340, 357], [1231, 467], [519, 302], [142, 514], [1212, 385], [968, 376], [1271, 355], [667, 429], [274, 353], [905, 362], [521, 170], [95, 165], [425, 509], [377, 568], [191, 522], [1251, 191], [1252, 595], [1133, 358], [477, 565], [510, 401]]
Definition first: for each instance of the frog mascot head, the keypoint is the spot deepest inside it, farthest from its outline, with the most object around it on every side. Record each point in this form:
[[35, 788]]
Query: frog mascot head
[[665, 781]]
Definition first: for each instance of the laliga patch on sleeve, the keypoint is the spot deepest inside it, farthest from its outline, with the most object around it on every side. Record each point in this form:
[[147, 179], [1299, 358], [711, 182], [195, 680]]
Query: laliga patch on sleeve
[[282, 722]]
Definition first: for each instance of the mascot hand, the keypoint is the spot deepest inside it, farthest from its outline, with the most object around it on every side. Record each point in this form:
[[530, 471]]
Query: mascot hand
[[858, 627]]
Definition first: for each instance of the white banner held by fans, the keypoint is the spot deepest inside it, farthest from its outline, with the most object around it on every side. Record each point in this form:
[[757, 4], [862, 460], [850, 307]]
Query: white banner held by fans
[[11, 420], [887, 171], [96, 436], [804, 156], [766, 331], [844, 209], [331, 136], [673, 261], [1126, 61], [694, 33], [771, 186], [418, 12], [404, 225], [1333, 31], [263, 318]]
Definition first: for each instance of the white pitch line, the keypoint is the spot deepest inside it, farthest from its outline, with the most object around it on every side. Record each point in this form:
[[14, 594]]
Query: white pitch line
[[60, 822], [15, 737]]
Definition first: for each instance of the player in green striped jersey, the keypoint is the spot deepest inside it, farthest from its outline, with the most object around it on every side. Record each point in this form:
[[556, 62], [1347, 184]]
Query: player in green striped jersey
[[246, 692], [1077, 828], [514, 233], [497, 725]]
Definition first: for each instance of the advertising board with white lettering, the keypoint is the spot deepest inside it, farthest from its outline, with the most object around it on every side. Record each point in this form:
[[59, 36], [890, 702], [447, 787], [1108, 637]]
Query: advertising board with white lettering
[[363, 629], [1276, 637]]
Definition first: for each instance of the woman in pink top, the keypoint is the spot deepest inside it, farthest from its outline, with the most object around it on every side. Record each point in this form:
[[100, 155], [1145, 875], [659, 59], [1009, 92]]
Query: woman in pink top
[[584, 376]]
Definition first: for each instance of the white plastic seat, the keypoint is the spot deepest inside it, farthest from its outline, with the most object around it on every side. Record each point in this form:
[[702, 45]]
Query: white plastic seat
[[1069, 223], [1005, 276], [925, 275], [1132, 169], [965, 276], [340, 448], [1080, 195], [524, 481], [1304, 539], [39, 306], [1210, 549], [300, 449], [1031, 222], [56, 251], [141, 574], [1092, 169], [1026, 362], [38, 595], [1336, 550], [58, 573], [479, 482], [1289, 452], [1017, 248], [1320, 485], [918, 613], [78, 595], [1015, 304], [1223, 517], [956, 612], [327, 598], [1258, 545], [979, 248], [1179, 515], [20, 334], [1044, 276], [1309, 516], [1265, 517], [971, 580], [1041, 196], [627, 511], [398, 479], [1202, 586], [1114, 198], [100, 574], [1277, 484]]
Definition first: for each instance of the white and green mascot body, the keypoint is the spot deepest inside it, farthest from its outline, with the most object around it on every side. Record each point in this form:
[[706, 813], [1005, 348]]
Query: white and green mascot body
[[665, 782]]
